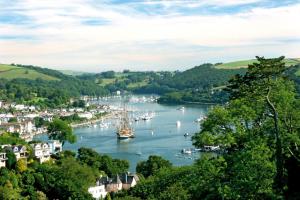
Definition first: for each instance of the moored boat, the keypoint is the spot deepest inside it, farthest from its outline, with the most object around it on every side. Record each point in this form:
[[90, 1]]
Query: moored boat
[[124, 130]]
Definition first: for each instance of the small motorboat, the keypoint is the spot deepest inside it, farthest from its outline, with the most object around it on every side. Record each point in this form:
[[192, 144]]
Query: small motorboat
[[186, 134], [186, 151], [181, 108], [178, 124]]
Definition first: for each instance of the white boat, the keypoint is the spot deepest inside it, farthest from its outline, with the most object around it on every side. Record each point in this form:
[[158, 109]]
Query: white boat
[[103, 125], [181, 108], [200, 119], [211, 148], [178, 123], [186, 134], [186, 151]]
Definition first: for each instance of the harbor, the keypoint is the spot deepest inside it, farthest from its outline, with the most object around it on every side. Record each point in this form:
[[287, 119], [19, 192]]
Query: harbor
[[166, 131]]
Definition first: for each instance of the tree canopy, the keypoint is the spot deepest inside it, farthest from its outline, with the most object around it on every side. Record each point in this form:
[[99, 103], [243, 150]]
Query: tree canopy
[[61, 130]]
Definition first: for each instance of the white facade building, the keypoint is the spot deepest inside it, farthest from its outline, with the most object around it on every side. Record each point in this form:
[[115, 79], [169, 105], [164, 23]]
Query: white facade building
[[86, 115], [20, 151], [41, 151], [98, 192], [55, 146]]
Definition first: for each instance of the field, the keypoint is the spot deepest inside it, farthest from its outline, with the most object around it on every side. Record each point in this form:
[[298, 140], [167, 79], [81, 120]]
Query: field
[[138, 84], [245, 63], [12, 72]]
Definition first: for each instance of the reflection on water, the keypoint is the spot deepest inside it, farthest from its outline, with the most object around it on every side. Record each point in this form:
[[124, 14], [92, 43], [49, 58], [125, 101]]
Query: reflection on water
[[160, 135]]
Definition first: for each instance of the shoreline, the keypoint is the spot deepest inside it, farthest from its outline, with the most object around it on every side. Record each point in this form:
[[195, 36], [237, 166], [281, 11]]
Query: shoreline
[[93, 121]]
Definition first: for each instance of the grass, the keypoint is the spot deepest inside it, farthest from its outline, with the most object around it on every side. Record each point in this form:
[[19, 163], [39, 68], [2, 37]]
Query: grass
[[236, 64], [245, 63], [4, 67], [138, 84], [13, 72], [106, 81], [73, 73]]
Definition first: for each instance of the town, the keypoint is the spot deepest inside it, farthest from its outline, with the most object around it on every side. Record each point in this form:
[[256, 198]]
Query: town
[[25, 122]]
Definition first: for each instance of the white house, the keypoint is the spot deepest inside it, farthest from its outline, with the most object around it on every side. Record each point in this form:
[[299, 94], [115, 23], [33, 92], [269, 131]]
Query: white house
[[98, 191], [55, 146], [41, 151], [20, 151], [20, 107], [3, 159], [21, 128], [86, 115]]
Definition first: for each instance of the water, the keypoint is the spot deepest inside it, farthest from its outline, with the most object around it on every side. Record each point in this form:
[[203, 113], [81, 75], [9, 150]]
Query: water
[[159, 136]]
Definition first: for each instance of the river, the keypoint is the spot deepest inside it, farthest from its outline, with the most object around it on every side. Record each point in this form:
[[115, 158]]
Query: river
[[158, 136]]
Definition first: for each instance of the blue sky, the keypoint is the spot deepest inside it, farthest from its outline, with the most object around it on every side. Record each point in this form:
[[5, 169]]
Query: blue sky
[[98, 35]]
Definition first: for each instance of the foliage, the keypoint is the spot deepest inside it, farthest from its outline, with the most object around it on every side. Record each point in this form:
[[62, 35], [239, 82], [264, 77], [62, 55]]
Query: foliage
[[11, 159], [10, 138], [21, 165], [45, 92], [258, 123], [39, 122], [72, 118], [102, 162], [7, 192], [152, 165], [13, 120], [79, 103], [61, 130]]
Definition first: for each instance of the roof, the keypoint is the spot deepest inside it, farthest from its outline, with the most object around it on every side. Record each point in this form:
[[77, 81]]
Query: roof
[[117, 179], [129, 178]]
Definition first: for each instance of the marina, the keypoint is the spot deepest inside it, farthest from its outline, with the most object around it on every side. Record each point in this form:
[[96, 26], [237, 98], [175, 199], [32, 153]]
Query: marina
[[160, 134]]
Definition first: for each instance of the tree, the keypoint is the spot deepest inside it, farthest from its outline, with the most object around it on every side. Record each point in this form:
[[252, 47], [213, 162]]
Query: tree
[[40, 195], [7, 192], [175, 192], [152, 165], [21, 165], [263, 108], [11, 160], [61, 130], [260, 80]]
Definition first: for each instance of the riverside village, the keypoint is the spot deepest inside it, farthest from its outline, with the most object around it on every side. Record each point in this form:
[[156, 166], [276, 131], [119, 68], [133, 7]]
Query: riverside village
[[26, 122]]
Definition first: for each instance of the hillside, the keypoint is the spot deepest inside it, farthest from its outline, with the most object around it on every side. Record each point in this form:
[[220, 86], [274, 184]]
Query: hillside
[[245, 63], [73, 73], [44, 87], [13, 72]]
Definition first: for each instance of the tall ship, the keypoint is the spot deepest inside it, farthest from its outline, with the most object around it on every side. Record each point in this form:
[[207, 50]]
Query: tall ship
[[124, 130]]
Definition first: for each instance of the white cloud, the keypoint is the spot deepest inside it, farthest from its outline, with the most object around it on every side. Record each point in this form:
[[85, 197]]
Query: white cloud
[[63, 40]]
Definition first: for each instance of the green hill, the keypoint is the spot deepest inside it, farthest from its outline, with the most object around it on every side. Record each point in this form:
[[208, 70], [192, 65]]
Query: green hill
[[74, 73], [13, 72], [245, 63]]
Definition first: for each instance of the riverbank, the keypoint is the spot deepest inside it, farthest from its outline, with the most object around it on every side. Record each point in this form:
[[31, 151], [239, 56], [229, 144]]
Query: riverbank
[[94, 121]]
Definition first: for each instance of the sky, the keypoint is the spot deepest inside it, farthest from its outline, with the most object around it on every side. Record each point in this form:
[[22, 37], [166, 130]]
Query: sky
[[100, 35]]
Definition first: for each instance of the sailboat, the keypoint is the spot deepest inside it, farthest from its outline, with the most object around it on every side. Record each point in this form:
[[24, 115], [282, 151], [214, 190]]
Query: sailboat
[[124, 131]]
